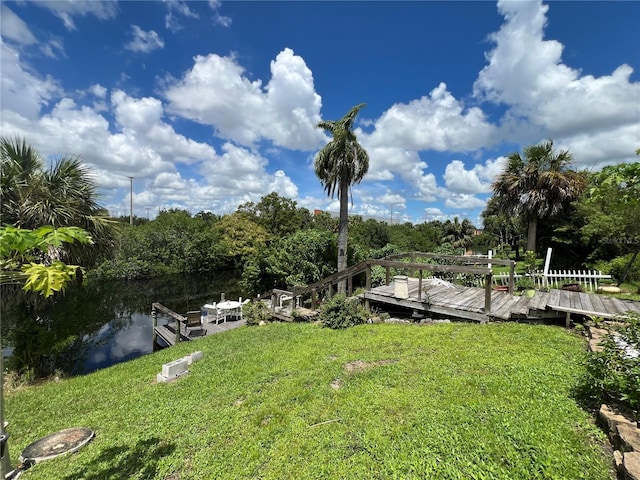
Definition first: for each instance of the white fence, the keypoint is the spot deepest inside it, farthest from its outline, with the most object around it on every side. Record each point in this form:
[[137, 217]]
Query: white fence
[[587, 279]]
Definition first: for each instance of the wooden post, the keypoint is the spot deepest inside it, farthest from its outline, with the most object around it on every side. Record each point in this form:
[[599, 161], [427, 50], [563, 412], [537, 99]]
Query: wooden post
[[567, 322], [420, 286], [349, 285], [367, 284], [413, 260], [177, 331], [314, 299], [487, 293], [154, 317], [512, 271], [388, 276]]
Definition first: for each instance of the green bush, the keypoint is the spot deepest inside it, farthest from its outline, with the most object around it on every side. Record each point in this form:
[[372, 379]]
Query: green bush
[[256, 312], [613, 375], [617, 266], [342, 312]]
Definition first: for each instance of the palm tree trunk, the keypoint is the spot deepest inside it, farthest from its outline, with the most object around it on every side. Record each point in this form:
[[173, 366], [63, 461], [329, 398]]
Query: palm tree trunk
[[343, 230], [531, 237]]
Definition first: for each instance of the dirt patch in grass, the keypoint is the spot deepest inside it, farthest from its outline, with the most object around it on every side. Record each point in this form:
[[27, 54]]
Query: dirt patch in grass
[[361, 366]]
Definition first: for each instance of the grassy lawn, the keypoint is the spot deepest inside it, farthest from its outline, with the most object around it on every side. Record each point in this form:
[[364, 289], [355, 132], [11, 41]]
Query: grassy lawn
[[452, 401]]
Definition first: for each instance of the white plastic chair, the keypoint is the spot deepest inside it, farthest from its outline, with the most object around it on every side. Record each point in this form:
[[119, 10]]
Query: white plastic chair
[[213, 312]]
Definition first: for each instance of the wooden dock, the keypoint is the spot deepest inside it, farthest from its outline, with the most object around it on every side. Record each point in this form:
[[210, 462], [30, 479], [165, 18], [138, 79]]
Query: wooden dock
[[167, 332], [468, 303]]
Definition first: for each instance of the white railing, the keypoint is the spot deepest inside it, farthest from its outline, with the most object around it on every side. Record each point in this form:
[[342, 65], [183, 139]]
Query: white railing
[[587, 279]]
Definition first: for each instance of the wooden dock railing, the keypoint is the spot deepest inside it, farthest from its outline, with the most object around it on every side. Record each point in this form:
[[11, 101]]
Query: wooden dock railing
[[450, 264], [157, 307]]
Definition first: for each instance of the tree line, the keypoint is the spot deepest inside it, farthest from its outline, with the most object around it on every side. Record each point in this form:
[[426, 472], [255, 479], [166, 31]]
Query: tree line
[[589, 218]]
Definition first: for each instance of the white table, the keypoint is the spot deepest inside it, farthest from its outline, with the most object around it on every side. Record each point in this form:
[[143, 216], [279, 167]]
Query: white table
[[229, 306]]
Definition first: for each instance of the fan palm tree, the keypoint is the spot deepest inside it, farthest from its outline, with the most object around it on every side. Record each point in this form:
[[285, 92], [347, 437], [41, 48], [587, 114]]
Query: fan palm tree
[[458, 234], [340, 164], [538, 184], [62, 195]]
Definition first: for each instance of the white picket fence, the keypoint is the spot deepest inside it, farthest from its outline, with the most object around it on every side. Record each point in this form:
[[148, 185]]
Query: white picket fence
[[587, 279]]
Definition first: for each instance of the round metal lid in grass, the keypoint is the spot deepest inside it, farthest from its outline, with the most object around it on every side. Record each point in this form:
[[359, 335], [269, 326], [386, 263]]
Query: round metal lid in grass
[[59, 443]]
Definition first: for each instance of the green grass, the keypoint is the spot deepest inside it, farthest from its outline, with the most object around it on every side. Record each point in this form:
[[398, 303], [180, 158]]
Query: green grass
[[456, 401]]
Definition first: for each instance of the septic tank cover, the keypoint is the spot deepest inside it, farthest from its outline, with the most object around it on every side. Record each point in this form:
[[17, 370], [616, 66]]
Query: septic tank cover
[[51, 446]]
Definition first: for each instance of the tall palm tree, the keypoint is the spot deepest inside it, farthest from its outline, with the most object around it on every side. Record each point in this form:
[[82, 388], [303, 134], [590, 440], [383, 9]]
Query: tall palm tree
[[340, 164], [539, 184], [63, 195]]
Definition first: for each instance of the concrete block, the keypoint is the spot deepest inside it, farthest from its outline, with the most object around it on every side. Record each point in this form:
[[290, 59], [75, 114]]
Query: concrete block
[[194, 357], [162, 379], [175, 368]]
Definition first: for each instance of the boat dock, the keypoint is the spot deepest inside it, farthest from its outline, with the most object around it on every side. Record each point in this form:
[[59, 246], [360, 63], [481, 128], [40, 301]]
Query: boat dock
[[189, 328], [469, 303]]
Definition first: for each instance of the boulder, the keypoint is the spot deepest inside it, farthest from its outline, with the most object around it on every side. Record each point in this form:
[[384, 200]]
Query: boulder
[[611, 420], [630, 436], [631, 463]]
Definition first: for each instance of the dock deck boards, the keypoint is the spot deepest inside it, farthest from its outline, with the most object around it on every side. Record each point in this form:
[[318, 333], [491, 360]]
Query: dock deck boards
[[468, 302], [168, 332]]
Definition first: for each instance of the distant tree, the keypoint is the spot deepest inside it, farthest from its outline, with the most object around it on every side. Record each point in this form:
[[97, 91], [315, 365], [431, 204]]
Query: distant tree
[[301, 258], [370, 234], [64, 195], [506, 230], [340, 164], [538, 184], [280, 216], [458, 234], [324, 221], [403, 236], [241, 237]]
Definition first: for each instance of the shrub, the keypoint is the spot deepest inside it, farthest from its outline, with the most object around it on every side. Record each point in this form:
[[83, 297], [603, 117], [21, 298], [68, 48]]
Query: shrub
[[613, 375], [617, 266], [530, 262], [256, 312], [524, 283], [342, 312]]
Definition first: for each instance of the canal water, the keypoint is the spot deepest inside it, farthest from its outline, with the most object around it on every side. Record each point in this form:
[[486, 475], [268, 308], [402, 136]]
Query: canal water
[[99, 324]]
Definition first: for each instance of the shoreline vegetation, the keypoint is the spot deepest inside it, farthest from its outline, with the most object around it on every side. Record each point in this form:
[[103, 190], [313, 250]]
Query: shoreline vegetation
[[301, 401]]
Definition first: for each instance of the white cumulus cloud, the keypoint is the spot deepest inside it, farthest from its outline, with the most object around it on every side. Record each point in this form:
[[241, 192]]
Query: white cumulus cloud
[[286, 111], [546, 97], [144, 41]]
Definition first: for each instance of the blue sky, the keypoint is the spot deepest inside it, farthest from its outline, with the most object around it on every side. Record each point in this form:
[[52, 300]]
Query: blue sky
[[212, 104]]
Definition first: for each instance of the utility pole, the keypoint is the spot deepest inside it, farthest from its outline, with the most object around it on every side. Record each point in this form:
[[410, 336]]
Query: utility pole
[[391, 205], [131, 201]]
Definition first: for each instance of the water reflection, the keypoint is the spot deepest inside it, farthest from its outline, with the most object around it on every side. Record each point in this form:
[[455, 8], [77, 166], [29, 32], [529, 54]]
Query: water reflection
[[100, 323]]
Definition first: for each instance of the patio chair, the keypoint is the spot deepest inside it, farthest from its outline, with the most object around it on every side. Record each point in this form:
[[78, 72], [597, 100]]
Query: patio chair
[[213, 312], [194, 322]]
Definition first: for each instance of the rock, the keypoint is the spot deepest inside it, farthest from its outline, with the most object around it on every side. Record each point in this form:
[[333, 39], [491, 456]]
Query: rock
[[609, 289], [618, 461], [610, 419], [262, 323], [631, 463], [594, 345], [630, 436], [597, 332]]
